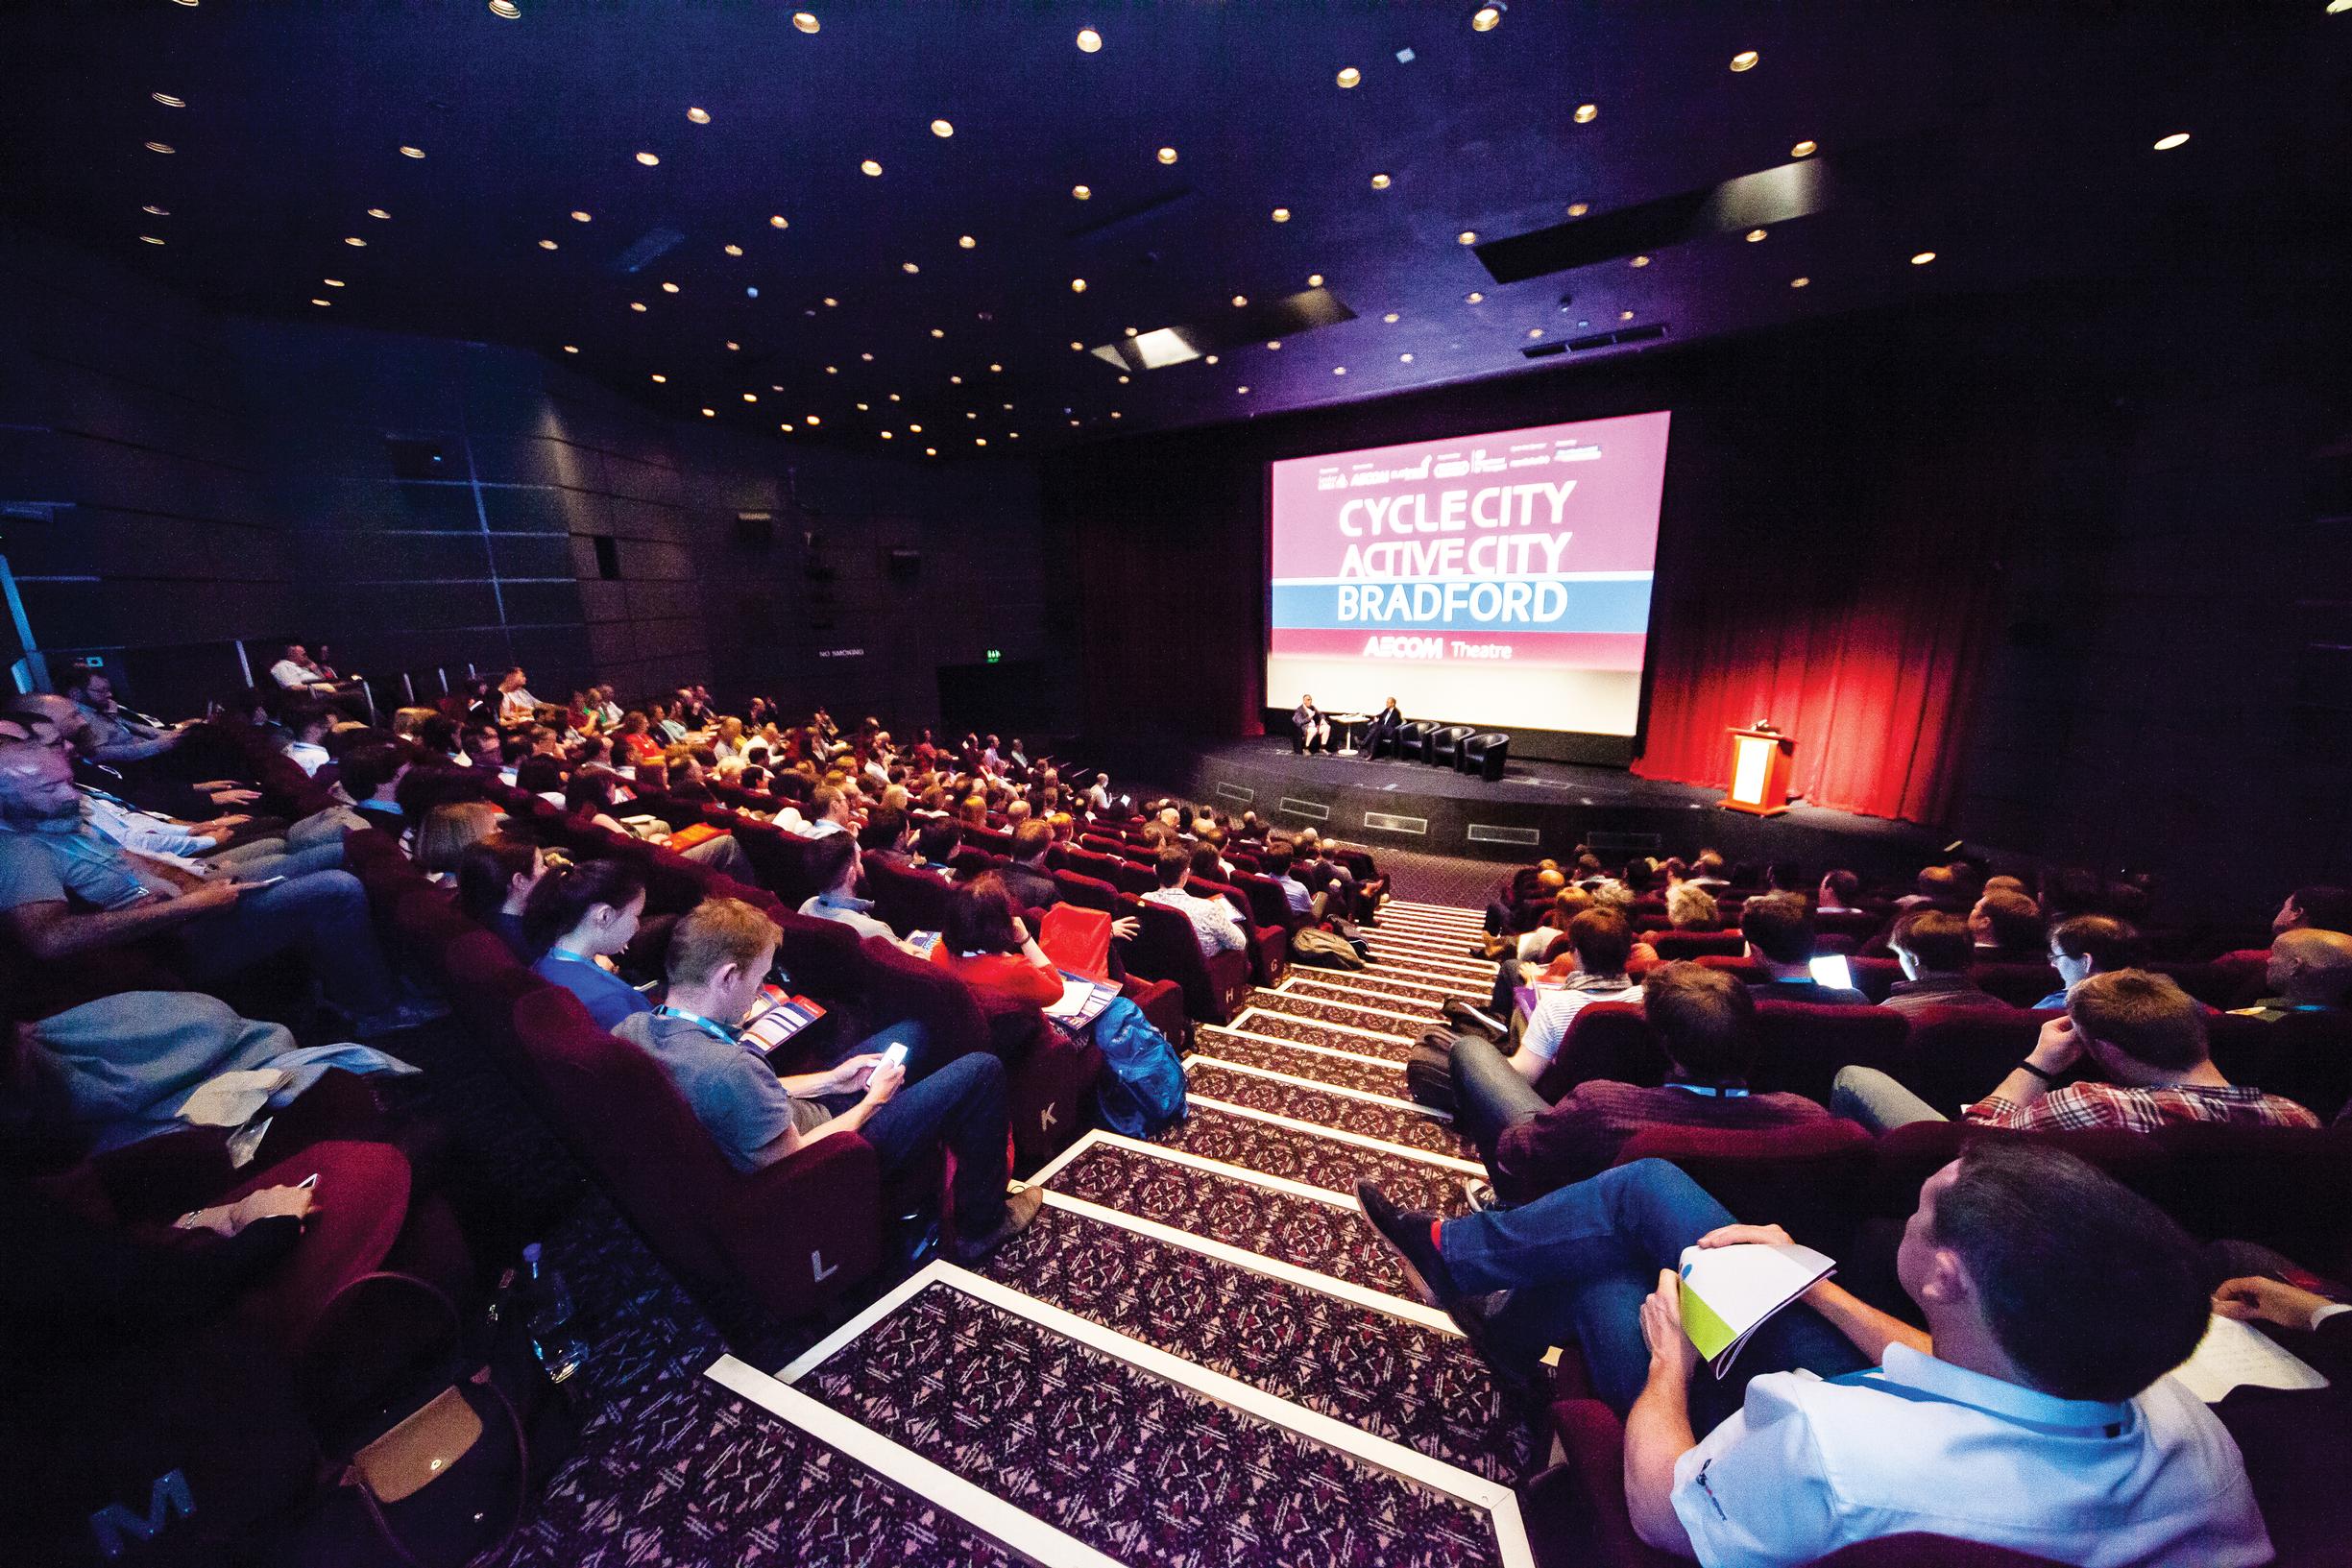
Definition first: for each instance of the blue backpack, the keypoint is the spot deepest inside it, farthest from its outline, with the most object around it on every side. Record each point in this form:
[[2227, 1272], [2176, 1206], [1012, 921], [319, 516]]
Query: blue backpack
[[1143, 1087]]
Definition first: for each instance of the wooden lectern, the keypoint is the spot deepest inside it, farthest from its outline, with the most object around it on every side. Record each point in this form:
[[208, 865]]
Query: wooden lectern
[[1760, 772]]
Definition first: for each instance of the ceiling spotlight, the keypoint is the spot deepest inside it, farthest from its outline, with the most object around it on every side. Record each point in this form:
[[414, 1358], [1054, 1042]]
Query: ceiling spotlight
[[1282, 214], [1744, 60], [1922, 259], [1122, 380], [1485, 18], [159, 211], [547, 245], [807, 22], [1754, 234], [638, 306], [659, 379], [733, 249], [1380, 181], [1474, 298], [1404, 359], [353, 239], [1640, 261], [1114, 412], [1212, 359], [1088, 40], [867, 357], [734, 346], [168, 100], [1131, 332], [1244, 391], [1534, 331], [162, 147], [506, 9], [332, 283], [909, 268], [777, 221], [1587, 114], [831, 302], [966, 242], [955, 380], [379, 212], [1625, 315], [938, 333], [1804, 149], [931, 451], [571, 347], [870, 169], [814, 419], [709, 413], [786, 427], [1078, 285], [833, 370], [1167, 155], [317, 302], [577, 216], [669, 288], [941, 129], [980, 440], [886, 435], [1081, 192], [1390, 318], [648, 159], [411, 152], [1274, 343], [700, 116], [914, 429], [997, 369], [1338, 370], [1349, 77], [1468, 236], [1077, 347], [1798, 283], [2165, 144], [1577, 209], [1315, 280], [1240, 300], [151, 239], [751, 396]]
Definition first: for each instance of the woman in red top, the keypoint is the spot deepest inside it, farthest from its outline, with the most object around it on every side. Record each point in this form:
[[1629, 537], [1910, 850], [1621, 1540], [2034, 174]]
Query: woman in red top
[[988, 946], [636, 745]]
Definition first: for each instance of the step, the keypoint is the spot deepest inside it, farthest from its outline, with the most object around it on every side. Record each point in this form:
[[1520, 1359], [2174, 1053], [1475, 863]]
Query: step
[[1389, 1119]]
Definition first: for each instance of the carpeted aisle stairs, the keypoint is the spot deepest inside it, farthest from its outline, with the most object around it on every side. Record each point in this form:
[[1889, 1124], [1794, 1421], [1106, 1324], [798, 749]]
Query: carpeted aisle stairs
[[1198, 1356]]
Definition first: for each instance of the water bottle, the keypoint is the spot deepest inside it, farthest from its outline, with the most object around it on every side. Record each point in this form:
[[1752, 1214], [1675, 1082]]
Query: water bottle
[[550, 1307]]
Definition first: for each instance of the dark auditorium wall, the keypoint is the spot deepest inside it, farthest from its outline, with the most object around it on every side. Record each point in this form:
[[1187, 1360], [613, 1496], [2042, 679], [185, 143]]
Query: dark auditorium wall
[[235, 479], [2141, 478]]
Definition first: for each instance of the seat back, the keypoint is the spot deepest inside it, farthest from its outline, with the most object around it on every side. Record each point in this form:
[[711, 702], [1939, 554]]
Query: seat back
[[783, 862], [2019, 985], [1088, 892], [1802, 1046], [1165, 948], [1806, 1177], [1671, 945], [2220, 983], [907, 900], [1444, 744], [1956, 1056], [1608, 1040]]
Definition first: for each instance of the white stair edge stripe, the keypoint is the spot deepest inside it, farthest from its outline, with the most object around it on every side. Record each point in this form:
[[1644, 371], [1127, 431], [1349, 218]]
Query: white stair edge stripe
[[1301, 1045], [1344, 1029], [1440, 908], [1354, 978], [1261, 1002], [1099, 1139], [1315, 1129], [1363, 1095], [1015, 1529], [1290, 1273], [1460, 931]]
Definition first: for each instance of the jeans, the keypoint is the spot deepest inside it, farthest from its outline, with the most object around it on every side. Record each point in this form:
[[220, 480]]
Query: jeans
[[1489, 1094], [267, 857], [962, 1105], [1868, 1096], [724, 856], [323, 916], [1577, 1262]]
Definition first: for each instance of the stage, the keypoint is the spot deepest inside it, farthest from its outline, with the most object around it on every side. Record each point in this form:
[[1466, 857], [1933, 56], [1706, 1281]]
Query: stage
[[1534, 810]]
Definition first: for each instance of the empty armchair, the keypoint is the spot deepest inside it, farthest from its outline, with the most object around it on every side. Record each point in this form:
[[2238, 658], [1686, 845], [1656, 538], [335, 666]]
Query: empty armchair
[[1486, 755], [1413, 743], [1446, 744]]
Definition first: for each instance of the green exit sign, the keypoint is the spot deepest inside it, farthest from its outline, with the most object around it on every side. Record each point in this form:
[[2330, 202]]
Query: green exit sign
[[996, 656]]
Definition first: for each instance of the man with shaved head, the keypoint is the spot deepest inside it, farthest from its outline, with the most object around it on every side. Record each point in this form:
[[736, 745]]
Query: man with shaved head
[[2309, 971]]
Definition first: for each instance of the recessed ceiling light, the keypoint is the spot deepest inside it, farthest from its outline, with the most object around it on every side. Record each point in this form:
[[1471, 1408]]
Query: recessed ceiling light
[[1167, 155], [1349, 77], [1122, 380], [700, 116], [833, 370], [1804, 149], [1485, 18], [938, 333], [709, 413], [1338, 370], [1282, 214], [868, 358], [1380, 181], [506, 9], [1534, 331], [931, 451], [1114, 412], [942, 128], [648, 159], [2165, 144], [547, 245], [332, 283], [831, 302], [1640, 261], [734, 346], [1240, 300], [997, 369], [159, 211], [814, 419], [807, 22], [786, 427], [659, 379], [1404, 359], [751, 396], [966, 242], [151, 239], [733, 249], [1078, 285], [778, 222], [1315, 280], [1474, 296], [162, 147], [411, 152], [1587, 114], [1274, 343], [1798, 283], [638, 306], [326, 303], [379, 212], [669, 288], [909, 268], [168, 100], [870, 169], [353, 239], [1468, 236], [577, 216], [955, 380], [886, 435], [1922, 259], [980, 440], [914, 429], [571, 347], [1081, 192], [1088, 40], [1744, 60], [1212, 359], [1625, 315], [1754, 234], [1077, 347], [1577, 209]]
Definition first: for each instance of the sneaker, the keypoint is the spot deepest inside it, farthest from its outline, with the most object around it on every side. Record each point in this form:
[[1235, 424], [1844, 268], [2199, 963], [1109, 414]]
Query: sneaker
[[1462, 1015], [1020, 1208], [1409, 1235], [1480, 1194]]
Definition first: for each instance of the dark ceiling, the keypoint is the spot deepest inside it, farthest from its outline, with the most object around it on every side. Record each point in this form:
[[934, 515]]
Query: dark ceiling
[[2014, 141]]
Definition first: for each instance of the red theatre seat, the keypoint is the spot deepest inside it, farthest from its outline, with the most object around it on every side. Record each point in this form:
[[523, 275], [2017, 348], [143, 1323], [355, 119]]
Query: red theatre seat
[[1808, 1178], [1802, 1046], [1606, 1040], [1166, 950], [1673, 944], [1957, 1055], [2019, 985]]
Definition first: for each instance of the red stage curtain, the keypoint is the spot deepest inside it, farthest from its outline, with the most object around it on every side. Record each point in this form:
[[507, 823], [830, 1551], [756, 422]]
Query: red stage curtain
[[1864, 643]]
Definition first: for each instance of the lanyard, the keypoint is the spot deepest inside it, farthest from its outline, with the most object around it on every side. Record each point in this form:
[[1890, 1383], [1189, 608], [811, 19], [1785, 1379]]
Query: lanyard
[[715, 1031], [1711, 1091], [1875, 1377]]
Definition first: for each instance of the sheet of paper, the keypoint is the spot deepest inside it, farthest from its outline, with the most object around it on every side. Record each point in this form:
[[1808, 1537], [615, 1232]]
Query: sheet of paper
[[1075, 995], [1727, 1291], [2235, 1355]]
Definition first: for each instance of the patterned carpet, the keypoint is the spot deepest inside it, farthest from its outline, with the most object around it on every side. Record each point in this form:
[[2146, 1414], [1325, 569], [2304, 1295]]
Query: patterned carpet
[[1198, 1355]]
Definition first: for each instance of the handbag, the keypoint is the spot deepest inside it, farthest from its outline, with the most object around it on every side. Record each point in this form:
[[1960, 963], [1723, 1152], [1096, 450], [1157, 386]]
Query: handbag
[[1429, 1071]]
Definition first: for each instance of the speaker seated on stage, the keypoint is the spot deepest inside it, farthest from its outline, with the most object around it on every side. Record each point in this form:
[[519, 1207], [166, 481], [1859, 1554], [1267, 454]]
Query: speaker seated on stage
[[1310, 727], [1382, 730]]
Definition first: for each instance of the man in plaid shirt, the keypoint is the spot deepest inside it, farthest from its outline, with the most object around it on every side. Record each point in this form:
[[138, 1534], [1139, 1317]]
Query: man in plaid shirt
[[2140, 1031]]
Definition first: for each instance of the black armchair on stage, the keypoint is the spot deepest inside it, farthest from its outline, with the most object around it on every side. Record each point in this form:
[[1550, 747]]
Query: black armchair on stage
[[1481, 751]]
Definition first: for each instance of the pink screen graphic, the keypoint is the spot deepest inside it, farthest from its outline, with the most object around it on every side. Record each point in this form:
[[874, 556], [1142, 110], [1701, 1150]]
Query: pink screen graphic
[[1501, 579]]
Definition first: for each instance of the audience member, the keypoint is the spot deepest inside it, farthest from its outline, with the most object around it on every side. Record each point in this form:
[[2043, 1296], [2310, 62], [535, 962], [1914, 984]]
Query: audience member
[[988, 946], [1838, 890], [448, 832], [1691, 907], [1601, 942], [935, 847], [1029, 882], [496, 878], [2007, 927], [578, 923], [1214, 926], [117, 736], [515, 704], [1778, 931], [1935, 950], [834, 863], [2309, 971], [370, 773], [2081, 945]]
